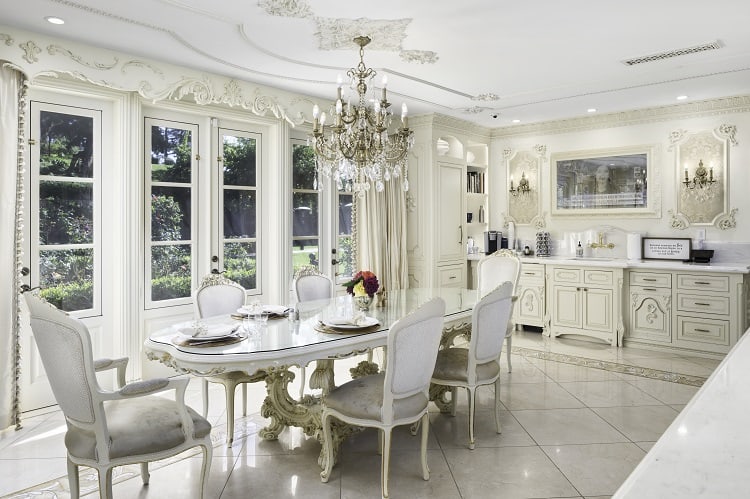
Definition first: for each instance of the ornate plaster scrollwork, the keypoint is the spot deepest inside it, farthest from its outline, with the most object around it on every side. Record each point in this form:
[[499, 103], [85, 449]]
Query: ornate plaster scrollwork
[[57, 49], [338, 33], [286, 8], [419, 56], [678, 220], [727, 221], [31, 51], [140, 64], [7, 39], [489, 96], [727, 132]]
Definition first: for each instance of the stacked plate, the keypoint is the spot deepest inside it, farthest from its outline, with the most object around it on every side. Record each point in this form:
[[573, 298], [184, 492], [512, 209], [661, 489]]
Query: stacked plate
[[198, 335]]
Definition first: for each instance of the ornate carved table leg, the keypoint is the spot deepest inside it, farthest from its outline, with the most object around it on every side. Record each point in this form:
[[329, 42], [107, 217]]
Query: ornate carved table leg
[[322, 376], [283, 410]]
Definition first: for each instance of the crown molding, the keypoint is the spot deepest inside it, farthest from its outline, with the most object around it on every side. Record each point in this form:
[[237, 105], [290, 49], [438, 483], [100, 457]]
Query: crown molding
[[709, 107]]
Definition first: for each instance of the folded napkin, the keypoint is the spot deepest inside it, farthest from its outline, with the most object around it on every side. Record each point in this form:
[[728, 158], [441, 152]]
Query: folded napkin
[[212, 331], [350, 321]]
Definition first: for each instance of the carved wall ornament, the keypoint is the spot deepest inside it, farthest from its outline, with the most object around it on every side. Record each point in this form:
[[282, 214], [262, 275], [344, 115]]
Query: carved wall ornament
[[675, 137], [141, 64], [473, 110], [524, 207], [31, 51], [539, 222], [7, 39], [702, 171], [540, 150], [286, 8], [727, 221], [678, 220], [727, 132], [57, 49]]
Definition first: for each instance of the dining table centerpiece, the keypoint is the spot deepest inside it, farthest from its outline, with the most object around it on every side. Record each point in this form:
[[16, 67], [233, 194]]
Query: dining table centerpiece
[[363, 286]]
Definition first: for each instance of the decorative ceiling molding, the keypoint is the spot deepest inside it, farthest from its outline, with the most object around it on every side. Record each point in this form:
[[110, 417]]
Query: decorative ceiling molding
[[286, 8], [489, 96], [419, 56], [338, 33], [711, 107]]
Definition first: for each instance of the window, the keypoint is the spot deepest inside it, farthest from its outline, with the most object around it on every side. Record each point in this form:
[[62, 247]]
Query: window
[[171, 149], [65, 217], [305, 208], [239, 205]]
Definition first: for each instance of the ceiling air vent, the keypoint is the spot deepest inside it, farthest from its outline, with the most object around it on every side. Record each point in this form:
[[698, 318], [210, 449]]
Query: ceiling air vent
[[673, 53]]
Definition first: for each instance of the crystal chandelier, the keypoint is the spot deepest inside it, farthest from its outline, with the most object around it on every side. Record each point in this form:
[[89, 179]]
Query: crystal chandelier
[[356, 150]]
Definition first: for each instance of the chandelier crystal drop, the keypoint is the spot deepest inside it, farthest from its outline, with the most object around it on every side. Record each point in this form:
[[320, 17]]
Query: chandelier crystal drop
[[356, 150]]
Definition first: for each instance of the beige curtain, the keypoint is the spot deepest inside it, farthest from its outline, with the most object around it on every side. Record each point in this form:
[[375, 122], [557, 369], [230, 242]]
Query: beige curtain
[[12, 104], [381, 235]]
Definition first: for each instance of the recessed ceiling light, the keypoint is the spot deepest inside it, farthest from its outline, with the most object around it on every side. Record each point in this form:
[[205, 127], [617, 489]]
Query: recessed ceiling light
[[516, 121], [591, 110], [681, 97], [54, 20]]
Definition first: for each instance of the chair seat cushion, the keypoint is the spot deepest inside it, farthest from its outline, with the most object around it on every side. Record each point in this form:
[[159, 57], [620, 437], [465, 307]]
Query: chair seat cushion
[[362, 398], [137, 426], [452, 364]]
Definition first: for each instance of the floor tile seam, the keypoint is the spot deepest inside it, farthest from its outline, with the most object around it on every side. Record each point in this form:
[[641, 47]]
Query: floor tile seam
[[617, 367], [552, 461], [591, 410]]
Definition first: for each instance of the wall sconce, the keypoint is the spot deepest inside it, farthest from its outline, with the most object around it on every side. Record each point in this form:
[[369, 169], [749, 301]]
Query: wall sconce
[[703, 177], [523, 185]]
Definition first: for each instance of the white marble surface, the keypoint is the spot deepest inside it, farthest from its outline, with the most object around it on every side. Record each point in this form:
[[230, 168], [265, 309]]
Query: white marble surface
[[704, 452], [731, 267]]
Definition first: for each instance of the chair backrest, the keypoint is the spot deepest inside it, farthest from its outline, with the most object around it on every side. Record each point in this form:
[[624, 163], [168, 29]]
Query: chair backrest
[[64, 345], [310, 284], [413, 343], [493, 270], [217, 295], [487, 338]]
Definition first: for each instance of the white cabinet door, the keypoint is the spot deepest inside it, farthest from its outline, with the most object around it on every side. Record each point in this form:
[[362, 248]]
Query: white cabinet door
[[650, 314], [450, 231], [597, 309], [566, 306]]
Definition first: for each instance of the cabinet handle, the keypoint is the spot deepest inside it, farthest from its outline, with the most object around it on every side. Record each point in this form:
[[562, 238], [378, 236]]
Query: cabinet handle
[[578, 289], [586, 289], [452, 277], [649, 289], [703, 304], [702, 330], [649, 280], [702, 283], [460, 234], [528, 273]]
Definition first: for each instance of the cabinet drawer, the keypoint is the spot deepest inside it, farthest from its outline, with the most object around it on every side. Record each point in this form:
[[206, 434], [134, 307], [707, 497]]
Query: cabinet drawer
[[532, 271], [451, 276], [565, 274], [651, 279], [597, 277], [703, 303], [703, 330], [703, 282]]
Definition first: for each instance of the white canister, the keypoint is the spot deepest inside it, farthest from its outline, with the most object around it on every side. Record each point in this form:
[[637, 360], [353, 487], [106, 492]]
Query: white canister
[[634, 246]]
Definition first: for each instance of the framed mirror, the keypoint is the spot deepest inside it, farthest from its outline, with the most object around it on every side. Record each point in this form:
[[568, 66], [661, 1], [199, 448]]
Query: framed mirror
[[613, 182]]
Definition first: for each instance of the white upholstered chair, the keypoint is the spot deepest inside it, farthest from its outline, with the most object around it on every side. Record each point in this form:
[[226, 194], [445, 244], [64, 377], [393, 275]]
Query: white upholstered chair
[[493, 270], [398, 396], [112, 428], [310, 285], [218, 295], [479, 364]]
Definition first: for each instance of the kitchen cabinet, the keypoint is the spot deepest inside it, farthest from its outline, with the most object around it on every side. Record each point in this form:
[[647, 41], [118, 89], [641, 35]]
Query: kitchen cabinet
[[529, 309], [586, 301], [650, 307]]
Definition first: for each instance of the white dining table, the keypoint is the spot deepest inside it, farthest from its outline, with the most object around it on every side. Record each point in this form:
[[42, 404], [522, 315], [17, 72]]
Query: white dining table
[[284, 343]]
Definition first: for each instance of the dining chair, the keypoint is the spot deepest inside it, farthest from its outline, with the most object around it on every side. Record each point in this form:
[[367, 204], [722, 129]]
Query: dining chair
[[493, 270], [218, 295], [112, 428], [479, 364], [398, 396], [309, 285]]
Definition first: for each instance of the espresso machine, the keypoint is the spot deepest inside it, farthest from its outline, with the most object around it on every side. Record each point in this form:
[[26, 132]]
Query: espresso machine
[[492, 241]]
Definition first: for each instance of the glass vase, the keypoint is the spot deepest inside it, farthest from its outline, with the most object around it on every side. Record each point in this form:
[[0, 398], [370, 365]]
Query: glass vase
[[363, 303]]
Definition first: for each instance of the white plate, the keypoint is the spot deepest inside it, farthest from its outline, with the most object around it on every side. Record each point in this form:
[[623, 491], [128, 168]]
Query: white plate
[[269, 309], [346, 323], [210, 332]]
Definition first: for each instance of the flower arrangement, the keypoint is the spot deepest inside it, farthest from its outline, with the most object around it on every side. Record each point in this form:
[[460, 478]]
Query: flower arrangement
[[363, 283]]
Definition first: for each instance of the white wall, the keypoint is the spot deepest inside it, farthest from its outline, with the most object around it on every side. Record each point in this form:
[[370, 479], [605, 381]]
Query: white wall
[[647, 127]]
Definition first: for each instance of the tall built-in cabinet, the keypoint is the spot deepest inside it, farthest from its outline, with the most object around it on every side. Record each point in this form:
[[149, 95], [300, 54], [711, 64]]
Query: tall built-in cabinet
[[447, 164]]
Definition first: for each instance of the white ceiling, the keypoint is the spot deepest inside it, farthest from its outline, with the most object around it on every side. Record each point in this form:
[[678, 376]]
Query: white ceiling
[[486, 61]]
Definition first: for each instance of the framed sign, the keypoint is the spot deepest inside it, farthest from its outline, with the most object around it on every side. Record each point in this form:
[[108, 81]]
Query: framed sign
[[666, 248]]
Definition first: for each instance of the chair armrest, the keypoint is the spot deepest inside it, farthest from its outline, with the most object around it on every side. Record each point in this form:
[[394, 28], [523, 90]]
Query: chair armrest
[[120, 364]]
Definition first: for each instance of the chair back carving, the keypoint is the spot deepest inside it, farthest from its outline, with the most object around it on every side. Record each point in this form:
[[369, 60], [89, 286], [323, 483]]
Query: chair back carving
[[493, 270], [310, 284], [217, 295]]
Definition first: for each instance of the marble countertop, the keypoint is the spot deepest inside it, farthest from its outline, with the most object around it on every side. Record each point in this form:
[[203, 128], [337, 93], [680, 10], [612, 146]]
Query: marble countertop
[[730, 267], [704, 453]]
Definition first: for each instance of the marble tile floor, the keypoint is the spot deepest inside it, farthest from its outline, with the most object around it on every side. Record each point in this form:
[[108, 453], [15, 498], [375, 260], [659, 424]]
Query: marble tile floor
[[569, 430]]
